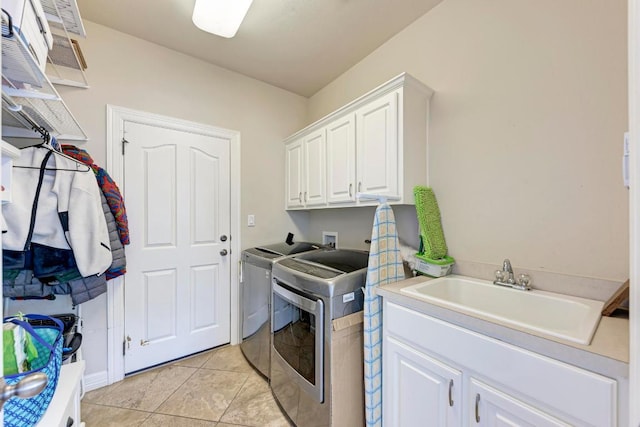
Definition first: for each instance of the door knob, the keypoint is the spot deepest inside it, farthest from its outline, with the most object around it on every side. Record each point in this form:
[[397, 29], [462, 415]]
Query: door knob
[[29, 386], [223, 252], [223, 238]]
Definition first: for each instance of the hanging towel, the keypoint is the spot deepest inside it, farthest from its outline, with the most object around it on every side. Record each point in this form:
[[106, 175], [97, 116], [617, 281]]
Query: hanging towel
[[385, 266]]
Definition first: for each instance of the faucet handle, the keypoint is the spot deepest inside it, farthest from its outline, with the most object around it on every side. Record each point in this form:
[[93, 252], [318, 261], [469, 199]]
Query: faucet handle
[[524, 280], [500, 275]]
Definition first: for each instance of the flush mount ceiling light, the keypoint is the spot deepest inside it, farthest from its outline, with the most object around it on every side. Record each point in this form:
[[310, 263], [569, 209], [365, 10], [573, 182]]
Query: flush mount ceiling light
[[220, 17]]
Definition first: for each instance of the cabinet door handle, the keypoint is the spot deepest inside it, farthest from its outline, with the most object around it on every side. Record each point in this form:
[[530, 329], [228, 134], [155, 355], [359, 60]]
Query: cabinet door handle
[[359, 187], [477, 407], [450, 392], [300, 197], [350, 188], [305, 197]]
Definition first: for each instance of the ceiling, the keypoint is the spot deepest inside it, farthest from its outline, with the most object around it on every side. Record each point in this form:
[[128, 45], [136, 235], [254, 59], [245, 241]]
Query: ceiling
[[297, 45]]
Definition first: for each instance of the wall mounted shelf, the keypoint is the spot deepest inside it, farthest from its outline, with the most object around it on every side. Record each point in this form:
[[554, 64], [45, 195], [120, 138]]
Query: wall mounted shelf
[[65, 13], [29, 99], [65, 63]]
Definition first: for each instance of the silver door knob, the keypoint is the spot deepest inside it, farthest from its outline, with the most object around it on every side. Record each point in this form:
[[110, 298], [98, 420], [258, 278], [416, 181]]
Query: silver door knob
[[223, 238], [29, 386], [223, 252]]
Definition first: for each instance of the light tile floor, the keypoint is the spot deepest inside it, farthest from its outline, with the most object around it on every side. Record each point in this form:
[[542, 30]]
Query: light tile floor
[[217, 388]]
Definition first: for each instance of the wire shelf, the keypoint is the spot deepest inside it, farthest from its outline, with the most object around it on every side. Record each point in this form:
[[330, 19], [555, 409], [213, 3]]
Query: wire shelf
[[65, 62], [65, 12], [30, 102]]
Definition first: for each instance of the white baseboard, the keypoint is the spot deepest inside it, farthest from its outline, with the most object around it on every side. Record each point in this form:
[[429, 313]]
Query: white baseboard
[[95, 381]]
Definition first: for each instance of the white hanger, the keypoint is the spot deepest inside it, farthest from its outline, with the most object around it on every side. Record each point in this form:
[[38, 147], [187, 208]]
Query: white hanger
[[380, 197]]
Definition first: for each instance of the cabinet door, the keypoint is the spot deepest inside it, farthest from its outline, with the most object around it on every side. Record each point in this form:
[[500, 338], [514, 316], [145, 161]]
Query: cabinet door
[[294, 168], [341, 160], [492, 407], [315, 169], [418, 390], [377, 146]]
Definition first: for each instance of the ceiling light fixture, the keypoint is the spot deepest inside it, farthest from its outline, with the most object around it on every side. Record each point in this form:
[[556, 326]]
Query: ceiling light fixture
[[220, 17]]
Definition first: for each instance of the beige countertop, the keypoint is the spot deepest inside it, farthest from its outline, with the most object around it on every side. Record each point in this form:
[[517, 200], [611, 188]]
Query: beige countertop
[[607, 354]]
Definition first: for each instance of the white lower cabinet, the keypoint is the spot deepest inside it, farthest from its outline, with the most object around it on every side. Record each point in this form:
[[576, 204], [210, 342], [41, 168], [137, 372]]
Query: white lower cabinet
[[419, 391], [64, 409], [439, 374], [492, 407]]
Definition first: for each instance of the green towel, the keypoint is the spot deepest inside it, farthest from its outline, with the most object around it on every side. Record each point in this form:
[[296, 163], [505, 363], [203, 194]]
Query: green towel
[[433, 244], [18, 351]]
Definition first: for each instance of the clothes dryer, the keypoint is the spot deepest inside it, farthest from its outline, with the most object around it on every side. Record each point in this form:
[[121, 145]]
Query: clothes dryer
[[256, 265]]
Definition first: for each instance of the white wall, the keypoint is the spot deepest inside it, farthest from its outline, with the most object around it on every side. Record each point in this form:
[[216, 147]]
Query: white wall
[[129, 72], [529, 110]]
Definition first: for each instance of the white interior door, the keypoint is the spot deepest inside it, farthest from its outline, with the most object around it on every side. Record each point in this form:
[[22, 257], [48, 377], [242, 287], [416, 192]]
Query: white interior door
[[177, 287]]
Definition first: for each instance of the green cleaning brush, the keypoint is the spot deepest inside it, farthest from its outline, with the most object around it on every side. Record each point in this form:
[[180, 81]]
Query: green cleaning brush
[[432, 239]]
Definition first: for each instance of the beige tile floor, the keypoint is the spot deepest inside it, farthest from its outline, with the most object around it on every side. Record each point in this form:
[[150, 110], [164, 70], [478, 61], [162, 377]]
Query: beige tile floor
[[217, 388]]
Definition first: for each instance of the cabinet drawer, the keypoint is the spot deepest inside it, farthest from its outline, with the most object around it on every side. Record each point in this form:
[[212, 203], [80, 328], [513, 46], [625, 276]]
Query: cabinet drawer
[[572, 394]]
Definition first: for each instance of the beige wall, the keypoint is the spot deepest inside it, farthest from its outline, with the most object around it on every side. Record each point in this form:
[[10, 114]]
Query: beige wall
[[129, 72], [526, 136], [527, 123]]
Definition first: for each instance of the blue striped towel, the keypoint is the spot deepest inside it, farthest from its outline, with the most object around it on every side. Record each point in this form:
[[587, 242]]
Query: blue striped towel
[[385, 266]]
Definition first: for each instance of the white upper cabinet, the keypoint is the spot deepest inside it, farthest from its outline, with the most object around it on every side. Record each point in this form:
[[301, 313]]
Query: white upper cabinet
[[341, 160], [294, 168], [314, 169], [376, 144], [305, 167]]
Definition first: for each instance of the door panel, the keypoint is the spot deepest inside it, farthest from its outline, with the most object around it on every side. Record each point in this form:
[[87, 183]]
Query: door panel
[[177, 289], [493, 407], [203, 315], [294, 172], [419, 391], [205, 191], [159, 174], [377, 146], [159, 304], [315, 169], [341, 162]]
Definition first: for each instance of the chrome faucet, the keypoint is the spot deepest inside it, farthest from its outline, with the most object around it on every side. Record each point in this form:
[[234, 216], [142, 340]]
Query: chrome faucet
[[506, 278], [506, 268]]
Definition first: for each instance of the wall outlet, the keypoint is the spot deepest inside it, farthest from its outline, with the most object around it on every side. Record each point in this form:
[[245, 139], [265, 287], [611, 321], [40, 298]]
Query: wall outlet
[[251, 220], [330, 238]]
